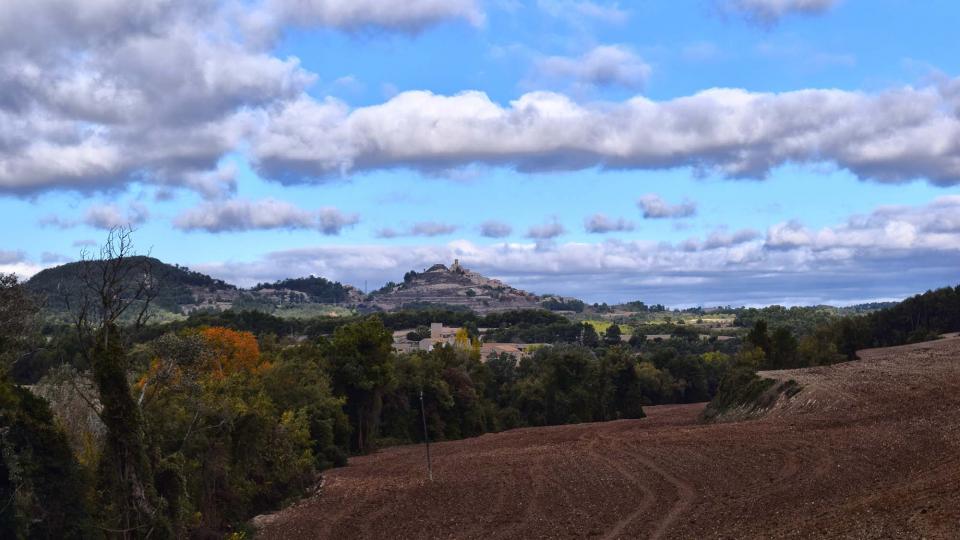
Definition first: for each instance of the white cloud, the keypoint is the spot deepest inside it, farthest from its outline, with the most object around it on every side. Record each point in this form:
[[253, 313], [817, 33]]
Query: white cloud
[[601, 224], [236, 215], [574, 10], [771, 11], [893, 136], [396, 15], [109, 216], [98, 93], [546, 231], [11, 257], [431, 228], [102, 216], [495, 229], [95, 94], [605, 65], [422, 228], [654, 207], [935, 226]]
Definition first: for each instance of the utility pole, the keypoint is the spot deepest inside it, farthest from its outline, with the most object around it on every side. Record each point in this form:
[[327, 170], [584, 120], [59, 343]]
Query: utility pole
[[426, 436]]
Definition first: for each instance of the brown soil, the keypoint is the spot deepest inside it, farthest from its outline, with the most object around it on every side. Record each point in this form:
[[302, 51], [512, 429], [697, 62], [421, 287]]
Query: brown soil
[[869, 449]]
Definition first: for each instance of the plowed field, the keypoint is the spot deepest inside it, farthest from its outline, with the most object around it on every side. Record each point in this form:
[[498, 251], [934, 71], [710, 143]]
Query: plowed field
[[868, 449]]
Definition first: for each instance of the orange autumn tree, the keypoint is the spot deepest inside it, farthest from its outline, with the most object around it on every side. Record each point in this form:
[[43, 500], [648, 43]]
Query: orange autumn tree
[[232, 351]]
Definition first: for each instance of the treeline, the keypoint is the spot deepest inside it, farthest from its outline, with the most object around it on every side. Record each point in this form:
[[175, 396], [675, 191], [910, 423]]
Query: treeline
[[919, 318], [559, 303], [318, 288]]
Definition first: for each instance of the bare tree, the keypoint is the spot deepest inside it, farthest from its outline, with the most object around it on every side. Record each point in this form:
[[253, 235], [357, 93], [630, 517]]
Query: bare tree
[[116, 286]]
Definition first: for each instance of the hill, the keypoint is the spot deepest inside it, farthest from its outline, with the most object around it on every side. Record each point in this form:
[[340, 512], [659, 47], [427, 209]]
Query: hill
[[866, 449], [179, 288], [182, 291], [456, 287]]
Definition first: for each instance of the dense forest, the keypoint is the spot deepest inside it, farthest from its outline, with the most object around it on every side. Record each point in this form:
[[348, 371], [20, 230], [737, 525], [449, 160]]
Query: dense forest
[[318, 288]]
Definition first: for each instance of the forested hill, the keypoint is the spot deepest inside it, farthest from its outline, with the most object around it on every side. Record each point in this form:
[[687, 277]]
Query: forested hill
[[177, 286]]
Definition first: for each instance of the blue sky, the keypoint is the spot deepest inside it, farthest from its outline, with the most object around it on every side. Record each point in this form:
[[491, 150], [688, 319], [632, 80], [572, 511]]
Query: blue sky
[[724, 151]]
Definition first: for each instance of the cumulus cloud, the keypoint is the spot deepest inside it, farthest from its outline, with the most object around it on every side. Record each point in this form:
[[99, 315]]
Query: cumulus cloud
[[11, 257], [771, 11], [109, 216], [605, 65], [95, 94], [892, 252], [49, 257], [102, 216], [893, 136], [546, 231], [601, 224], [422, 228], [720, 239], [654, 207], [935, 226], [237, 215], [409, 16], [495, 229], [432, 228], [99, 93]]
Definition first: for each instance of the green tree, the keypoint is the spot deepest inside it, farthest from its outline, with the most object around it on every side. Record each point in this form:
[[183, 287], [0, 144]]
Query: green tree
[[362, 364], [612, 335], [588, 335], [783, 349], [759, 337]]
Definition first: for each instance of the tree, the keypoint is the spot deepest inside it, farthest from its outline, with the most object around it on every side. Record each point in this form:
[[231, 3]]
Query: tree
[[588, 335], [758, 337], [42, 493], [18, 311], [231, 351], [362, 362], [783, 349], [627, 390], [612, 336]]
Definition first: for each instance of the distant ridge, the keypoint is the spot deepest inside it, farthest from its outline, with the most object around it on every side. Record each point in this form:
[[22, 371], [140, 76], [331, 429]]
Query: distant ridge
[[183, 291]]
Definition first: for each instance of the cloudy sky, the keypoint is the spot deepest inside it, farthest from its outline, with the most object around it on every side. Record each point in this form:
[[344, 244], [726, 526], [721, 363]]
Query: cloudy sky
[[686, 152]]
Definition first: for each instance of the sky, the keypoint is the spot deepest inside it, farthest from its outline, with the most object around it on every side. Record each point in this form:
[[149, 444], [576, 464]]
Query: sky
[[692, 152]]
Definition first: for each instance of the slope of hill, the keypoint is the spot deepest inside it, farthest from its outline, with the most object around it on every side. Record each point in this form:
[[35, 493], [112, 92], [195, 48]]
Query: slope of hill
[[867, 449], [455, 286]]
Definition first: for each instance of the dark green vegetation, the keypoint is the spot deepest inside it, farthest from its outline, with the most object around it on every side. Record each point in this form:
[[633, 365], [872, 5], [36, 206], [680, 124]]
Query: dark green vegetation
[[317, 288]]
